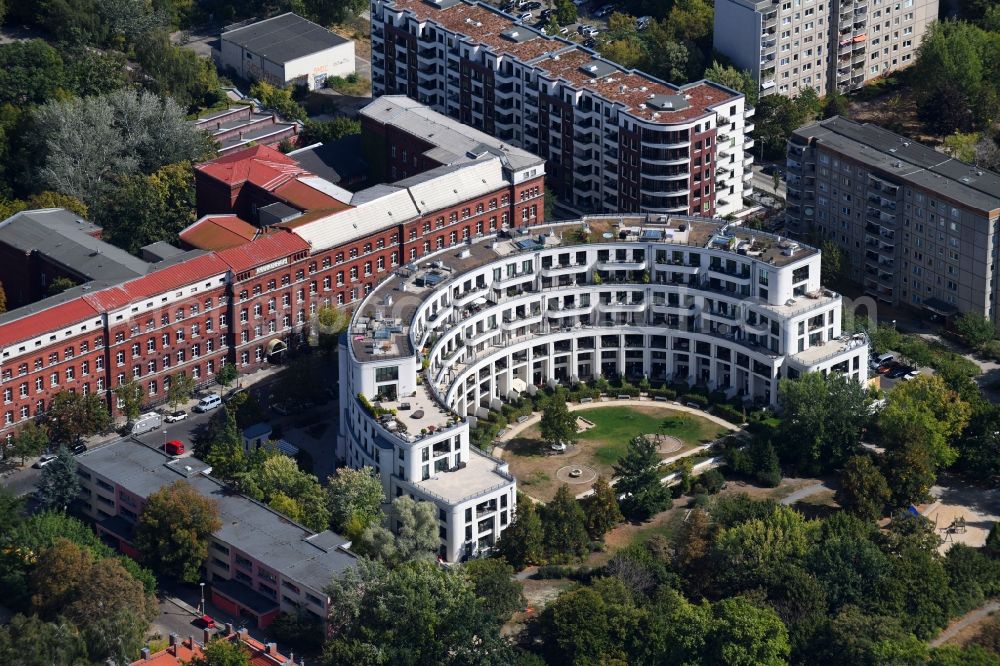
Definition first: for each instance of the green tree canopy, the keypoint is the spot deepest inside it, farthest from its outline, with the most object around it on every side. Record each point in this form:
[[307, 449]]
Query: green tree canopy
[[564, 531], [355, 498], [173, 529], [824, 419], [602, 509], [30, 441], [863, 490], [73, 416], [59, 484], [499, 592], [521, 543], [558, 424], [639, 480]]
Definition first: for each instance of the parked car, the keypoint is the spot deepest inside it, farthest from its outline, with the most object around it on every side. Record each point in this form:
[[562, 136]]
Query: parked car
[[590, 31], [174, 417], [525, 17], [887, 368], [79, 448], [205, 622], [564, 30], [604, 11], [643, 22], [208, 403], [44, 460], [913, 374], [590, 43], [529, 6], [545, 14], [174, 447], [899, 372]]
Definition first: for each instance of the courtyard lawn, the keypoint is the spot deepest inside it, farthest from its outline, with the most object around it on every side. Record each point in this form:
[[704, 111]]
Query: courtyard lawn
[[599, 448], [615, 426]]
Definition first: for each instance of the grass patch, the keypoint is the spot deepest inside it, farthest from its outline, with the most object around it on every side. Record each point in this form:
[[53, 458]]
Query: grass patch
[[615, 426], [352, 85], [667, 528]]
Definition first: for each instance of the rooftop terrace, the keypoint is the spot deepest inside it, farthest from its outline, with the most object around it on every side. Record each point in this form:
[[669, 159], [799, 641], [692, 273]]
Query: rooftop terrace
[[564, 59], [381, 325]]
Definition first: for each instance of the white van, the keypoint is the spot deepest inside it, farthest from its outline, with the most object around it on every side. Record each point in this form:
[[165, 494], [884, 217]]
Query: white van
[[208, 403], [146, 423]]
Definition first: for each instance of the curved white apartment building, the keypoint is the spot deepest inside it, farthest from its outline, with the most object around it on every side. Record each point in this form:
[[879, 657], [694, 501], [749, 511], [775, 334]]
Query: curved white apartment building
[[671, 299]]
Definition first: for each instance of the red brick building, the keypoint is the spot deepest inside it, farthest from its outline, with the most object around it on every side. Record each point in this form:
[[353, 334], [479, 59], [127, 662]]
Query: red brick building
[[276, 243]]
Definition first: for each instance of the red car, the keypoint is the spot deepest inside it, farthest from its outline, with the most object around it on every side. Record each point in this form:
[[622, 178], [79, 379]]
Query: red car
[[889, 367], [206, 622]]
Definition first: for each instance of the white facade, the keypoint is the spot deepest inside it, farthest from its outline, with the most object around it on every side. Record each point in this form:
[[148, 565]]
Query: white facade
[[678, 300]]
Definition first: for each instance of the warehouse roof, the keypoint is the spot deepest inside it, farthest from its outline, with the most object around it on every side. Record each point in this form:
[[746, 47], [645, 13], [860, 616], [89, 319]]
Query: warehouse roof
[[284, 38]]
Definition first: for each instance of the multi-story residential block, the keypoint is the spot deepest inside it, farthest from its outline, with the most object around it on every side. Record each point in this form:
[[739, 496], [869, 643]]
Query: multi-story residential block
[[668, 299], [259, 562], [830, 46], [614, 139], [918, 227], [280, 244]]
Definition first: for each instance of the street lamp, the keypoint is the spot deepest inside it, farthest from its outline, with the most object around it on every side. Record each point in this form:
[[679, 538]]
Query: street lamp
[[894, 324], [164, 441], [202, 598]]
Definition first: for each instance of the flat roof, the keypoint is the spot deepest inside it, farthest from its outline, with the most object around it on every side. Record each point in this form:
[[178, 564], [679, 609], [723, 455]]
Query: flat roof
[[480, 475], [335, 161], [284, 38], [559, 57], [908, 161], [454, 142], [262, 533], [375, 336]]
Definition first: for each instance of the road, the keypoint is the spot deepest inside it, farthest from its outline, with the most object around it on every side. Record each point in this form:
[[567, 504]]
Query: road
[[765, 182], [803, 493]]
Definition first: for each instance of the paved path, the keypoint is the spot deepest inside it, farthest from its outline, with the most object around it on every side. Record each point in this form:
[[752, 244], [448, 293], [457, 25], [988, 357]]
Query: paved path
[[803, 493], [968, 619]]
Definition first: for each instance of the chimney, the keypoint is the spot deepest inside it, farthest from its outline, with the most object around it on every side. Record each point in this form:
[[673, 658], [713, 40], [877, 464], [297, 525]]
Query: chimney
[[229, 629], [172, 640], [144, 652], [191, 642], [244, 634], [270, 648], [207, 636]]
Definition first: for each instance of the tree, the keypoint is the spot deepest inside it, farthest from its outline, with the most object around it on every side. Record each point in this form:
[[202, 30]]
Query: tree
[[558, 424], [521, 543], [836, 104], [564, 527], [300, 631], [31, 72], [173, 529], [59, 485], [278, 99], [690, 20], [691, 550], [223, 449], [665, 56], [180, 390], [744, 633], [823, 423], [602, 509], [328, 131], [223, 652], [355, 500], [746, 551], [739, 80], [831, 271], [583, 626], [59, 285], [178, 72], [417, 613], [226, 374], [956, 88], [30, 441], [31, 641], [416, 536], [278, 478], [73, 416], [928, 412], [979, 445], [86, 145], [500, 593], [130, 396], [976, 329], [566, 12], [639, 480], [863, 491]]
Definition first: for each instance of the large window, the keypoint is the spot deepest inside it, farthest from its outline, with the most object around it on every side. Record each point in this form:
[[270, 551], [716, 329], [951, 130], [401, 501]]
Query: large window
[[387, 374]]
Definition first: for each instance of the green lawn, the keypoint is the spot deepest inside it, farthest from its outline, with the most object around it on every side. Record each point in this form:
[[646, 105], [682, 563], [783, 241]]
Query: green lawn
[[615, 426]]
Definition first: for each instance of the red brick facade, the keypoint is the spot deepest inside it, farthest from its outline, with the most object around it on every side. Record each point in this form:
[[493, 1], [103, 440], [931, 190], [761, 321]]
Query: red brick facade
[[241, 305]]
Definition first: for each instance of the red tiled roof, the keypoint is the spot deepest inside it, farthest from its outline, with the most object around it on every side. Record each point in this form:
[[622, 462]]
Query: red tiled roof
[[34, 324], [306, 197], [265, 249], [182, 653], [261, 165], [218, 232], [177, 275]]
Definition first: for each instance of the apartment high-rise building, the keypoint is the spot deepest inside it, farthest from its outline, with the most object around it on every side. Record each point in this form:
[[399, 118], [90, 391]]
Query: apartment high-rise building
[[918, 227], [614, 139], [838, 46]]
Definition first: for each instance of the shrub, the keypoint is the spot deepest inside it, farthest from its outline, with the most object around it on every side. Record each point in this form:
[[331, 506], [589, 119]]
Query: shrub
[[712, 481], [729, 413], [717, 397], [697, 399]]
